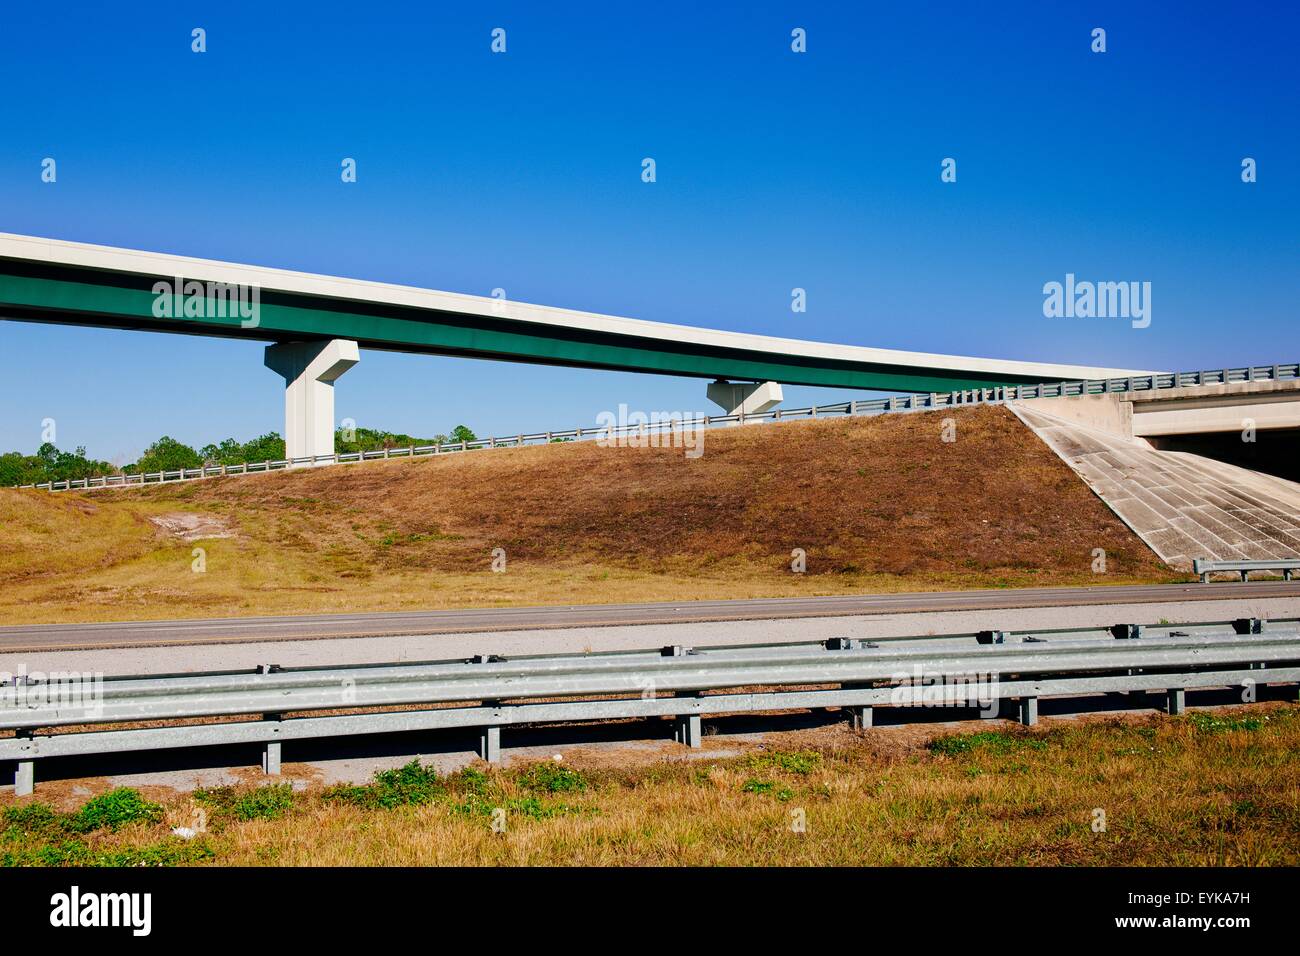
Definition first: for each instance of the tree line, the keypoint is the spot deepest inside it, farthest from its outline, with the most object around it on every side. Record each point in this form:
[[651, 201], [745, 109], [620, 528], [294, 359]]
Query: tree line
[[168, 454]]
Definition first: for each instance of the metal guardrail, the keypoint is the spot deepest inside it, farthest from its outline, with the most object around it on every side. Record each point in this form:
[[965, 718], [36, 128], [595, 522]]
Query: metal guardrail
[[1205, 567], [876, 406], [490, 692]]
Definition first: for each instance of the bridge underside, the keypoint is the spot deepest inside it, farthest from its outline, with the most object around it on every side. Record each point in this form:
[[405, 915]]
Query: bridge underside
[[41, 292], [287, 318], [50, 281]]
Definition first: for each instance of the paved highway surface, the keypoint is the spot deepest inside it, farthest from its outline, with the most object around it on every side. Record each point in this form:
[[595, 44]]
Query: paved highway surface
[[140, 634]]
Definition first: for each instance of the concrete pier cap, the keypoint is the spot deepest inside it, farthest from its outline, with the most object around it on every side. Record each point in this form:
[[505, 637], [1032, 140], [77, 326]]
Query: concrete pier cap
[[309, 370], [747, 398]]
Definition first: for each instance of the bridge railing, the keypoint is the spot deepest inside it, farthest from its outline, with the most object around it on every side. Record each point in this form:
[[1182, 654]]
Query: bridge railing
[[620, 434]]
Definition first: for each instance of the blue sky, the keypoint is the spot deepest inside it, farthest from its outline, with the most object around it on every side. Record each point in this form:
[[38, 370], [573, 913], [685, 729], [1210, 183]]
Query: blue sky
[[775, 170]]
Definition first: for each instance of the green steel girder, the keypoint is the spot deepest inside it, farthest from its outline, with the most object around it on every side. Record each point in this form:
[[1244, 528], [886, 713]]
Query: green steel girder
[[112, 300]]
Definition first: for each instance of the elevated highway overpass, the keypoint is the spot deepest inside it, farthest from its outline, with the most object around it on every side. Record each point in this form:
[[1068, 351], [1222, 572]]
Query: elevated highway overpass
[[315, 325]]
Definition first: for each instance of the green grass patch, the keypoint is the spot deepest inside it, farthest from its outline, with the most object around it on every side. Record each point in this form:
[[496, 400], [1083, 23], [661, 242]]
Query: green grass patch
[[551, 777], [1218, 724], [997, 742], [261, 803], [114, 810], [472, 780], [482, 794], [801, 762], [170, 852], [409, 785], [479, 805], [35, 834], [32, 821], [754, 785]]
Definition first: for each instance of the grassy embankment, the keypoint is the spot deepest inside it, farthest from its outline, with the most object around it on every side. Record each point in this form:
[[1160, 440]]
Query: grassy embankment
[[1204, 789], [877, 504]]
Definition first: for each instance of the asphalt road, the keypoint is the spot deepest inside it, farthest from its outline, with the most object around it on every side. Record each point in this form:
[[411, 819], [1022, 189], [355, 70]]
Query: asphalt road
[[141, 634]]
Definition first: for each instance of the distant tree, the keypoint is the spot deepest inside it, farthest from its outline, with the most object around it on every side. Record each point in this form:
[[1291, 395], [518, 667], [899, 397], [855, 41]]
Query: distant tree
[[19, 469], [268, 447], [167, 454], [50, 464], [228, 452], [369, 439]]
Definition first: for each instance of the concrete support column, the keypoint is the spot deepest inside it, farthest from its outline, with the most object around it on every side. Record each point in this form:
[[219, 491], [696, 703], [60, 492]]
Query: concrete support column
[[745, 398], [310, 370]]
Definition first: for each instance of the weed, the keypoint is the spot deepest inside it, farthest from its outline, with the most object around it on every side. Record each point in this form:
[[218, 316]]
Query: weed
[[114, 810], [262, 803], [409, 785], [992, 741], [550, 777], [472, 780], [32, 820], [801, 762], [169, 852], [1215, 724]]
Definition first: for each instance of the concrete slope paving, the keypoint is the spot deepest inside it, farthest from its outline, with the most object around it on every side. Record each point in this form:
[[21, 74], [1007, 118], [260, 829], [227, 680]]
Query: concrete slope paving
[[1183, 506]]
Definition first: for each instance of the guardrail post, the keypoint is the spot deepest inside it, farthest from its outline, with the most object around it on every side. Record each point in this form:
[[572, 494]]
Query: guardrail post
[[489, 744], [686, 730], [860, 716], [25, 778], [25, 772], [1028, 707], [1176, 701], [271, 749]]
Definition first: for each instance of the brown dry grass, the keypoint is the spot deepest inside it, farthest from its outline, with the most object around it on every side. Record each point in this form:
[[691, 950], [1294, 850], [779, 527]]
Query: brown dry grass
[[1183, 791], [878, 504]]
